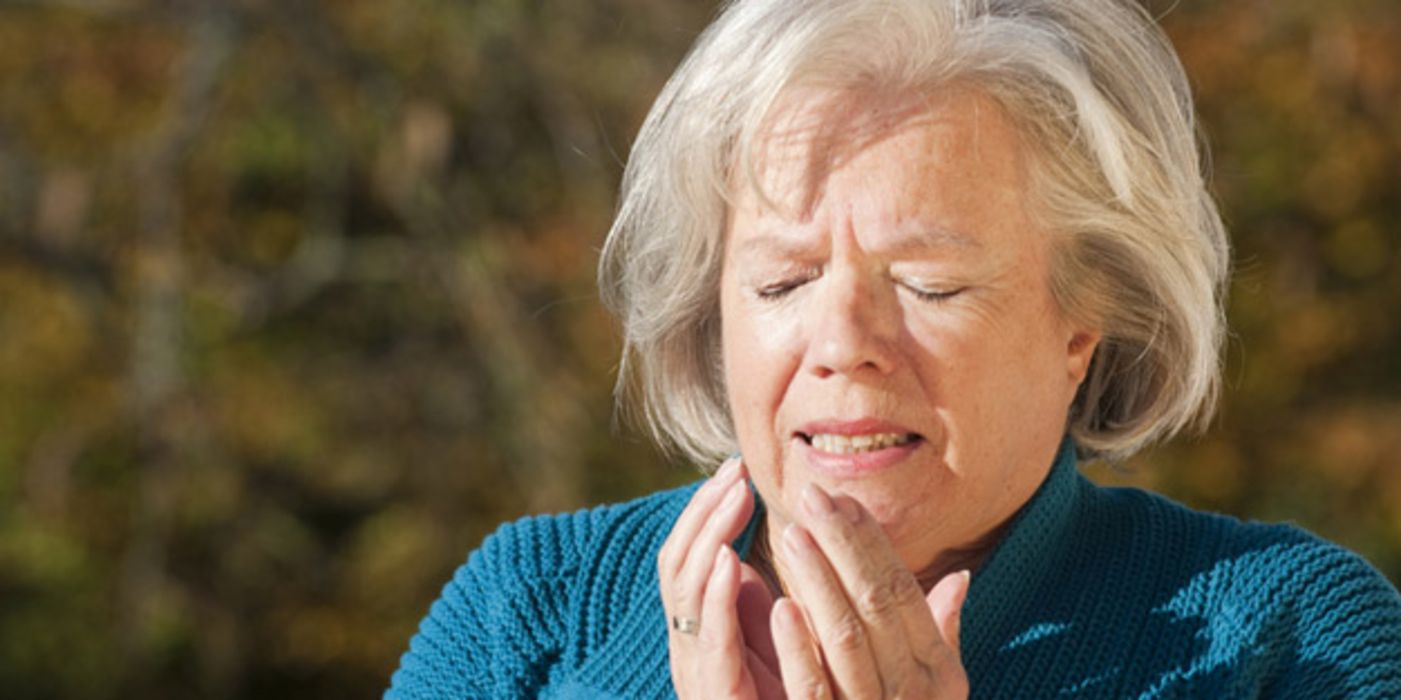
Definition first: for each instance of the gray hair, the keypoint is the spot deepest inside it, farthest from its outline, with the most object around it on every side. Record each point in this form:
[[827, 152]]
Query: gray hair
[[1097, 91]]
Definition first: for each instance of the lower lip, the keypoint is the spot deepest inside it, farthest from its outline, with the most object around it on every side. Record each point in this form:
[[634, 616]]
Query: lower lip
[[855, 465]]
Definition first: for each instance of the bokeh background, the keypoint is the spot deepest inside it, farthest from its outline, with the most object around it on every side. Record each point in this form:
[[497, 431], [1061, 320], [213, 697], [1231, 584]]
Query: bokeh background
[[297, 304]]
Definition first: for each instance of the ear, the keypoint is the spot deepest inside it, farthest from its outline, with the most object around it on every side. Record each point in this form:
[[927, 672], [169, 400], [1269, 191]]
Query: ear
[[1080, 349]]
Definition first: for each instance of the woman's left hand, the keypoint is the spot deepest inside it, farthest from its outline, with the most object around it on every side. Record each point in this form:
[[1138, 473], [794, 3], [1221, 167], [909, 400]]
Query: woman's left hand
[[877, 635]]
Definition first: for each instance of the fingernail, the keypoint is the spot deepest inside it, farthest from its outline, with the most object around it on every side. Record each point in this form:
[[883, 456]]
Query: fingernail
[[735, 495], [727, 470], [722, 557], [816, 500], [723, 475], [778, 620], [795, 539], [730, 469], [785, 615]]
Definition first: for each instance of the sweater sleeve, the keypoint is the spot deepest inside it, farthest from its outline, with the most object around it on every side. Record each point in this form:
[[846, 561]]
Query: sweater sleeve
[[1348, 630], [498, 627]]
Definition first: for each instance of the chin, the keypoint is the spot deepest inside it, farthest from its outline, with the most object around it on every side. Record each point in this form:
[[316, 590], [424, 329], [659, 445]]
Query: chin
[[893, 503]]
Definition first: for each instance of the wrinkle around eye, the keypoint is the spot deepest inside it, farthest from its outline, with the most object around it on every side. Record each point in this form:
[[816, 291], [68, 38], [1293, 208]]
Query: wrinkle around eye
[[934, 295], [776, 291]]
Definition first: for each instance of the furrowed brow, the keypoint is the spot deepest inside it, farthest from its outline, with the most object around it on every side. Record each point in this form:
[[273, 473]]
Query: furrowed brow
[[915, 238], [923, 237], [773, 245]]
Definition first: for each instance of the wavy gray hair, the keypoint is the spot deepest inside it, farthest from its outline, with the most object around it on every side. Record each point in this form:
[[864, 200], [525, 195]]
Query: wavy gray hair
[[1094, 86]]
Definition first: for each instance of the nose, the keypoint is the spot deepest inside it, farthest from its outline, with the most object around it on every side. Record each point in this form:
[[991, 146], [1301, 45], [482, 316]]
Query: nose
[[853, 326]]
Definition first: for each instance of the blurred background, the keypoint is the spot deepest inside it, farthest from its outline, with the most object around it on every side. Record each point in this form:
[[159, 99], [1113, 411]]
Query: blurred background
[[297, 304]]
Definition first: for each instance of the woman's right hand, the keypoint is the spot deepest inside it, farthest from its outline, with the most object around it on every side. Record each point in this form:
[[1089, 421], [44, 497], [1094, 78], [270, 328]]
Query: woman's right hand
[[728, 652]]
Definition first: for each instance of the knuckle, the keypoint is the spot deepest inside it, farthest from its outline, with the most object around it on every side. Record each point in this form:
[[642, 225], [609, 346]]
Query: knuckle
[[685, 601], [875, 602], [684, 597], [670, 559], [848, 635], [890, 591], [811, 689]]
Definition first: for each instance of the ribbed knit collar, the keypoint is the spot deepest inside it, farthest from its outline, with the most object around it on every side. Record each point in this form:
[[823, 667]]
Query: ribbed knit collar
[[1034, 545]]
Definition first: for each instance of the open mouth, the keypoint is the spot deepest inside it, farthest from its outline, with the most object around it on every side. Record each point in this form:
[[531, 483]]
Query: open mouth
[[832, 443]]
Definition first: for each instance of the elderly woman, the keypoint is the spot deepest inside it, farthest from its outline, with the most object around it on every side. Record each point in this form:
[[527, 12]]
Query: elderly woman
[[909, 261]]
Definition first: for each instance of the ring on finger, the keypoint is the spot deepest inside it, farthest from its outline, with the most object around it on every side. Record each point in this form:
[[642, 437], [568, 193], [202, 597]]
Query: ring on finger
[[685, 625]]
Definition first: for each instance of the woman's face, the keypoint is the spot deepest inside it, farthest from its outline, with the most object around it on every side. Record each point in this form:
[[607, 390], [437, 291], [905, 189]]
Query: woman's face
[[888, 328]]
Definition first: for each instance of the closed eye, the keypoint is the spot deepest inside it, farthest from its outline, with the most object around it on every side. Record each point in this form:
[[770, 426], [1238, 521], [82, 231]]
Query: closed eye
[[933, 295], [774, 292], [779, 290]]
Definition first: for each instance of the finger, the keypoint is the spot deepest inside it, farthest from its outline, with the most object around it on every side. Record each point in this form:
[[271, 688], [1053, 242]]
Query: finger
[[754, 606], [800, 664], [840, 631], [720, 666], [883, 593], [672, 556], [725, 523], [767, 683], [945, 603], [697, 511]]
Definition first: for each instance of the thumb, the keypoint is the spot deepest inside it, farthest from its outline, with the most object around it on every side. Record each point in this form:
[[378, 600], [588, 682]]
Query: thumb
[[945, 602]]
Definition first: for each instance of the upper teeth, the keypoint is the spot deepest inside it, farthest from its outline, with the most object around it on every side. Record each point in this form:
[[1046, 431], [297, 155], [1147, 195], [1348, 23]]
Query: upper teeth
[[850, 444]]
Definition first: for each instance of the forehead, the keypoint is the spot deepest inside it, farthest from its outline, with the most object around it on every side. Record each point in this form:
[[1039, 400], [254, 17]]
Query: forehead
[[947, 164]]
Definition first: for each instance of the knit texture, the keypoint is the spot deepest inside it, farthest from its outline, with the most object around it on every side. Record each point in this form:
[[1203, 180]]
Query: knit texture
[[1094, 593]]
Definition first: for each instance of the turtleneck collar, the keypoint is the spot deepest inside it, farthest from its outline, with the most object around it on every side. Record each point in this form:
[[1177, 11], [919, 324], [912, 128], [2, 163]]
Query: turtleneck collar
[[1034, 543]]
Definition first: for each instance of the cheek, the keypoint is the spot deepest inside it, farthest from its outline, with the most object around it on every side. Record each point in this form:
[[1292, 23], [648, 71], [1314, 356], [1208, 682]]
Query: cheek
[[969, 356], [760, 363], [948, 347], [757, 373], [747, 358]]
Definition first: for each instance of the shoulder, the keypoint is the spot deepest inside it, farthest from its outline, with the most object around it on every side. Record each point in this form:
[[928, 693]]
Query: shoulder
[[1311, 616], [1280, 551], [514, 608], [535, 555], [1329, 620], [551, 545], [1222, 548]]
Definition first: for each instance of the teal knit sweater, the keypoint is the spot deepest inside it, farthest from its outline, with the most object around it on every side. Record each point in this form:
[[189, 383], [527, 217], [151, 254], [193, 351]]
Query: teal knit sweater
[[1094, 593]]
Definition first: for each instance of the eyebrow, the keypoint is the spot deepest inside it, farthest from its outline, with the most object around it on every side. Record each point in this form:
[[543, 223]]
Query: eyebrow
[[920, 237], [927, 237]]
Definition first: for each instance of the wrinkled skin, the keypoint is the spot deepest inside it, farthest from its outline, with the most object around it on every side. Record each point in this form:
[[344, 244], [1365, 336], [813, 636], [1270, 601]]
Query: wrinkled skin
[[893, 282]]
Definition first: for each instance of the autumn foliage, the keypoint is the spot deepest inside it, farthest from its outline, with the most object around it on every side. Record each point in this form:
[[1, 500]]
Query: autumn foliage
[[297, 304]]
